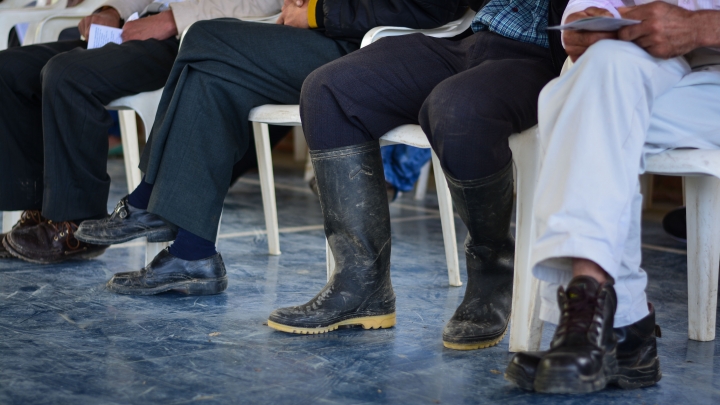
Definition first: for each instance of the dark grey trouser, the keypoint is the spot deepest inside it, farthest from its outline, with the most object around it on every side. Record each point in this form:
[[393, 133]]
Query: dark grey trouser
[[224, 69], [53, 122], [469, 96]]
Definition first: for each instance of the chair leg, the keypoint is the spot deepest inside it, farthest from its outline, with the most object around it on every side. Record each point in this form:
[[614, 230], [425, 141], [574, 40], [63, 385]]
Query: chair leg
[[526, 330], [703, 237], [153, 248], [267, 185], [299, 146], [329, 260], [646, 189], [309, 171], [447, 219], [422, 183], [10, 218], [131, 149]]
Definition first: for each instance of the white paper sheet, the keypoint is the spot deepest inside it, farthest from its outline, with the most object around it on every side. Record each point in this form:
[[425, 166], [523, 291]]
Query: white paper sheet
[[101, 35], [596, 24]]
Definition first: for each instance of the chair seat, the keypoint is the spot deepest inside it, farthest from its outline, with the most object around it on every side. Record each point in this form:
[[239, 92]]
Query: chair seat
[[411, 135], [287, 115], [685, 162]]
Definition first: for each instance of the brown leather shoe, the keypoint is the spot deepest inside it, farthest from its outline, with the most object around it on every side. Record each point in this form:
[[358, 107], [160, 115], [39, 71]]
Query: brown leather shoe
[[50, 242], [27, 218]]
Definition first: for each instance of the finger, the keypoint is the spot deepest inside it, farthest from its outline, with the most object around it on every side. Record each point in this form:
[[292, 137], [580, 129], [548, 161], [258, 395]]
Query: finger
[[575, 16], [299, 3], [633, 32], [574, 52], [280, 20], [597, 12]]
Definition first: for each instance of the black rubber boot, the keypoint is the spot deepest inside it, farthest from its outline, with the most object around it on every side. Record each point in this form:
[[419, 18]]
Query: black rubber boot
[[351, 186], [485, 206], [638, 362], [582, 356]]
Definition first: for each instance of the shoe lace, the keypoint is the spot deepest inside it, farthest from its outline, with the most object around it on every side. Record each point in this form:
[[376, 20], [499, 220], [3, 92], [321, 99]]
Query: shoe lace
[[32, 216], [66, 229], [579, 314]]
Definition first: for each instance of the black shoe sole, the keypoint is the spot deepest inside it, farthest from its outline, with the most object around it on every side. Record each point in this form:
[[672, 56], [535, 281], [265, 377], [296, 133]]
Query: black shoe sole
[[517, 376], [479, 344], [188, 287], [75, 256], [632, 378], [569, 382], [152, 235], [367, 322]]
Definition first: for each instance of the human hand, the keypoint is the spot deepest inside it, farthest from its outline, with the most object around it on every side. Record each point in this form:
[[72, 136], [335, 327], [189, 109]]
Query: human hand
[[298, 3], [294, 15], [666, 31], [159, 26], [108, 17], [577, 42]]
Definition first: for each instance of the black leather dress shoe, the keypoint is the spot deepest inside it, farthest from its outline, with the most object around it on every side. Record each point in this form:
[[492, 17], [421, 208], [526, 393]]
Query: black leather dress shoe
[[169, 273], [638, 362], [582, 356], [126, 223]]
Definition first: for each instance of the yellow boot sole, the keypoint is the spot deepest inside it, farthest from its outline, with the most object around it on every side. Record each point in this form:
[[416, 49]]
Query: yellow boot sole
[[475, 345], [367, 322]]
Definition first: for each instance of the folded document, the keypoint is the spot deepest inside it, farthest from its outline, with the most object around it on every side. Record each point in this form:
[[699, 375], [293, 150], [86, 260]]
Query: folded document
[[596, 24]]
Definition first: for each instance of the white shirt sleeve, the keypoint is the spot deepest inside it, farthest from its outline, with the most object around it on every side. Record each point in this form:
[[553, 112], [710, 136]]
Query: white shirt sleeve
[[579, 5]]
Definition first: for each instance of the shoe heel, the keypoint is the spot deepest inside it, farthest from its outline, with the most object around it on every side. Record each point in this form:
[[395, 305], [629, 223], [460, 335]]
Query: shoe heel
[[377, 322], [204, 287]]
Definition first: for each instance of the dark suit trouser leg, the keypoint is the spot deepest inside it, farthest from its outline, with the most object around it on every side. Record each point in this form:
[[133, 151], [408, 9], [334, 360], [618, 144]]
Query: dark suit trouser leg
[[224, 69], [76, 86], [469, 96], [21, 136]]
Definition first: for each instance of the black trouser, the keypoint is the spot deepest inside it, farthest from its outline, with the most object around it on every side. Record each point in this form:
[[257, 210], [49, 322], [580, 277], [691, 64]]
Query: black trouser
[[469, 96], [224, 69], [53, 122]]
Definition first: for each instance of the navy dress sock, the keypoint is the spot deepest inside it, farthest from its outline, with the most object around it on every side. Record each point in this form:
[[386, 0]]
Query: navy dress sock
[[188, 246], [140, 197]]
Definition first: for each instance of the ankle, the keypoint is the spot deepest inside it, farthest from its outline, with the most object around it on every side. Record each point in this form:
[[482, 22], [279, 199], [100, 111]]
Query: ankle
[[140, 197], [584, 267], [188, 246]]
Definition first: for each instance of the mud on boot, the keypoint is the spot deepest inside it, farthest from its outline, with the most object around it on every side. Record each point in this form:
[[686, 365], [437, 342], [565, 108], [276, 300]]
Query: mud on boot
[[351, 186], [485, 206]]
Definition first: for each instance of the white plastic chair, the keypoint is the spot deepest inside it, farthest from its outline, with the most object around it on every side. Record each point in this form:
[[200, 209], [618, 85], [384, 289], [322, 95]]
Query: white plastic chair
[[10, 16], [700, 170], [289, 115]]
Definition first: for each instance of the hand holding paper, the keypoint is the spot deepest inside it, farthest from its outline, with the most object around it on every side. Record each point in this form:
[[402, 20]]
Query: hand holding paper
[[596, 24]]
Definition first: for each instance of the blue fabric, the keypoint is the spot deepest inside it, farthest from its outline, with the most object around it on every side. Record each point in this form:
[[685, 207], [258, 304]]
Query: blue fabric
[[188, 246], [140, 197], [522, 20], [402, 164]]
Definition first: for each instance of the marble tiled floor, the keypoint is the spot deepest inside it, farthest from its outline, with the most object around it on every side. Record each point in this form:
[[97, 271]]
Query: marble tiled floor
[[64, 339]]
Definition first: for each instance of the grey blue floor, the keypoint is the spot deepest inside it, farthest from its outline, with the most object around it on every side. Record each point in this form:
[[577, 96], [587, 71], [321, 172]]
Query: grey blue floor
[[64, 339]]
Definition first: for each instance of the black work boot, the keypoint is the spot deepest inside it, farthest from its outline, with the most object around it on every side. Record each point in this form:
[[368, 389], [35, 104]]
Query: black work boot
[[351, 186], [28, 218], [169, 273], [485, 206], [638, 362], [126, 223], [582, 356]]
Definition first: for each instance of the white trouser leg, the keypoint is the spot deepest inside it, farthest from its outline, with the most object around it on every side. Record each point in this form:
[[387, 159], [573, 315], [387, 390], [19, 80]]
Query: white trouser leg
[[593, 123]]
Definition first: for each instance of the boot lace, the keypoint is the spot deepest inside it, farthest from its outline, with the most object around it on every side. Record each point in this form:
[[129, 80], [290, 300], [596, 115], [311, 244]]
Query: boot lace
[[30, 217], [579, 315], [66, 229]]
